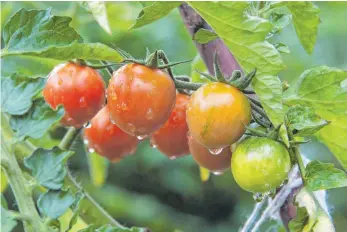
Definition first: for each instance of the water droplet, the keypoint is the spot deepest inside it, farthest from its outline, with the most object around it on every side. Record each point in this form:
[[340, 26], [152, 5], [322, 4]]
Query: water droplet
[[152, 144], [131, 127], [91, 150], [141, 137], [258, 197], [217, 173], [87, 125], [124, 106], [149, 114], [112, 121], [215, 151], [85, 142], [83, 102], [60, 81], [173, 157]]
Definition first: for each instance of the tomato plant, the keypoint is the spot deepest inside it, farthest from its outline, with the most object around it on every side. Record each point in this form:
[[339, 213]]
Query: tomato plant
[[252, 100], [140, 99], [80, 89], [260, 164], [107, 139], [171, 138]]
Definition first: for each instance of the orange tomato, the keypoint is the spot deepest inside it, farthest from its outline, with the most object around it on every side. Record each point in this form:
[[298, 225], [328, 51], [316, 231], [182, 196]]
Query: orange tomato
[[107, 139], [216, 115], [215, 163], [80, 89], [171, 139], [140, 99]]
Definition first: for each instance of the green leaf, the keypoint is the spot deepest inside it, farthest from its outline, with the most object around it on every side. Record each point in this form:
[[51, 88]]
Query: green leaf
[[109, 228], [298, 223], [76, 209], [320, 176], [99, 12], [48, 166], [17, 93], [282, 48], [198, 65], [37, 121], [283, 133], [3, 201], [38, 33], [204, 36], [53, 203], [304, 120], [153, 12], [98, 167], [279, 21], [7, 221], [245, 36], [306, 21]]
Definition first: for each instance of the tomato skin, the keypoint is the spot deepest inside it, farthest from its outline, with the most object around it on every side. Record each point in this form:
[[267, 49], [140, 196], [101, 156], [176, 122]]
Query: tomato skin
[[171, 138], [217, 114], [80, 89], [140, 99], [260, 164], [214, 163], [107, 139]]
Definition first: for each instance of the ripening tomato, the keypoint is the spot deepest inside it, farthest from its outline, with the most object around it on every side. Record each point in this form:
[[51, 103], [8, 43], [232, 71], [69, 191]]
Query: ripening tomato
[[216, 163], [107, 139], [140, 99], [80, 89], [260, 164], [217, 114], [171, 139]]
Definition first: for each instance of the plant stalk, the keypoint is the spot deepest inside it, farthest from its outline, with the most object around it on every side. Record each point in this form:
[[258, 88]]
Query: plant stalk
[[296, 151]]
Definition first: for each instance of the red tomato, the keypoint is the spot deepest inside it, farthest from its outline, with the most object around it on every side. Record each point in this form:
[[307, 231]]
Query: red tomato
[[107, 139], [171, 139], [217, 114], [140, 99], [216, 163], [80, 89]]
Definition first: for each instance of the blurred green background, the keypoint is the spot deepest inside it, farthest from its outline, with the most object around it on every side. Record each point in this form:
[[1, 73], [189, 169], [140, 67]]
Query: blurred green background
[[149, 190]]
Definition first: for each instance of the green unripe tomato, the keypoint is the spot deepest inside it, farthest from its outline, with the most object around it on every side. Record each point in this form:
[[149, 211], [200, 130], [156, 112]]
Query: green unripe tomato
[[260, 164]]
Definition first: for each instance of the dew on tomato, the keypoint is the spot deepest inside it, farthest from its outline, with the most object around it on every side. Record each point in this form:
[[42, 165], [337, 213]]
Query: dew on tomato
[[140, 99], [171, 138], [107, 139], [260, 164], [79, 89], [217, 114], [215, 163]]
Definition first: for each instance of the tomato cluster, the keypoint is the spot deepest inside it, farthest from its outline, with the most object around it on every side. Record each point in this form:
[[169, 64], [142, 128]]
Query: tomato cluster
[[143, 101]]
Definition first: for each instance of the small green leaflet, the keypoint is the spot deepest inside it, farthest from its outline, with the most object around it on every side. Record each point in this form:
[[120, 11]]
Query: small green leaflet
[[37, 33], [37, 121], [154, 11], [304, 120], [7, 221], [324, 176], [298, 223], [282, 48], [76, 209], [17, 93], [99, 12], [245, 37], [53, 203], [204, 36], [306, 21], [48, 166], [109, 228], [279, 21]]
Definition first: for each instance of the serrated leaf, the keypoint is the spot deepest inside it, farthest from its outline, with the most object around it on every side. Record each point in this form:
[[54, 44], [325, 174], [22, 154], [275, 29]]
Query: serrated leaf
[[37, 121], [99, 12], [304, 120], [204, 174], [7, 221], [38, 33], [282, 48], [153, 12], [204, 36], [198, 65], [48, 166], [245, 36], [98, 167], [17, 93], [53, 203], [306, 21], [325, 90], [321, 176]]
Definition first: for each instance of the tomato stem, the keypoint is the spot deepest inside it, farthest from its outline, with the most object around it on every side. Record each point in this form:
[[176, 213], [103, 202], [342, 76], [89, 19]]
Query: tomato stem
[[295, 149]]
